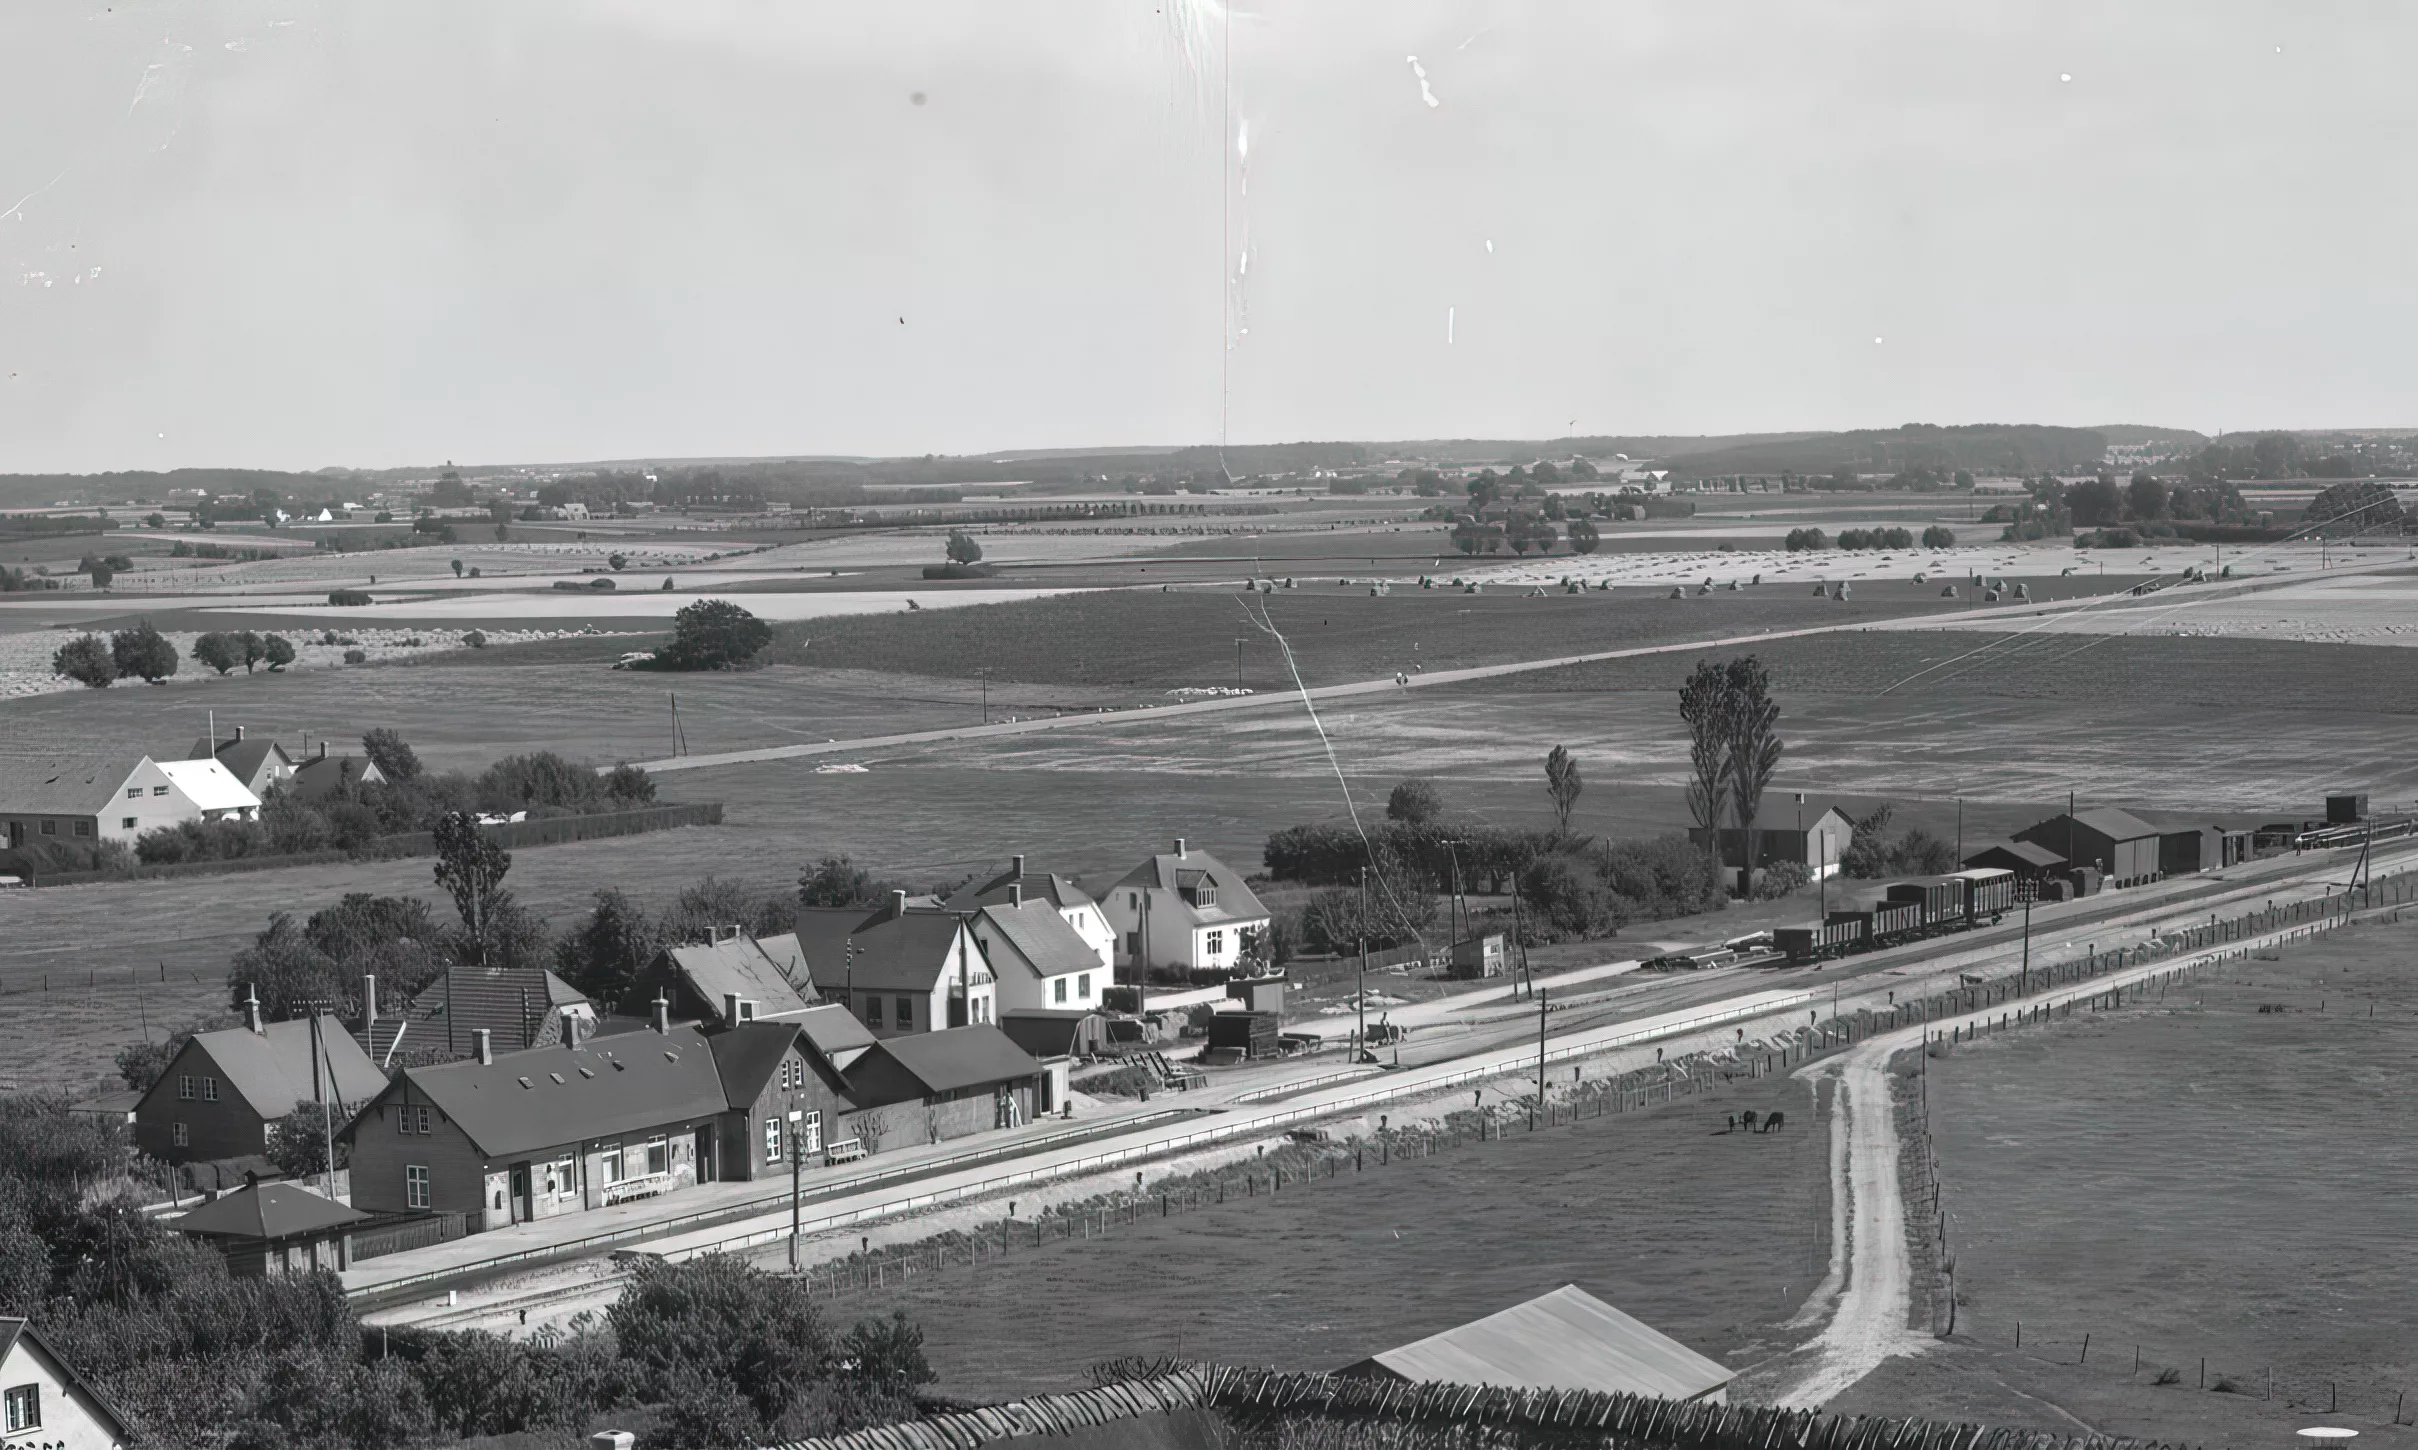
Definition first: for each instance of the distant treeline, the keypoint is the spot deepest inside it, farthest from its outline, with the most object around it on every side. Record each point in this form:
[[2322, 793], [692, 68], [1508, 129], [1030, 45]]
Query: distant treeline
[[1977, 447]]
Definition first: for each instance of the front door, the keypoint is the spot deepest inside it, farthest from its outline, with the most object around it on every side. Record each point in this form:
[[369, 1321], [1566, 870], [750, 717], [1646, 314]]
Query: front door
[[522, 1210], [705, 1155]]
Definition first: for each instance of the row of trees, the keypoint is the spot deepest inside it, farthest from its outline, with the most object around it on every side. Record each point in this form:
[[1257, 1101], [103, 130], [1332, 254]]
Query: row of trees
[[1937, 536], [1734, 745], [138, 652]]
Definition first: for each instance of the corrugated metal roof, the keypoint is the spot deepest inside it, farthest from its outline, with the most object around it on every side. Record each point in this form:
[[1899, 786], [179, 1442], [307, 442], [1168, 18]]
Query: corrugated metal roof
[[1565, 1340], [267, 1211], [549, 1096]]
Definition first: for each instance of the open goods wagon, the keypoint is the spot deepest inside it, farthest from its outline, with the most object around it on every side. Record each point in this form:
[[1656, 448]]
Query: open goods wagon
[[1909, 911]]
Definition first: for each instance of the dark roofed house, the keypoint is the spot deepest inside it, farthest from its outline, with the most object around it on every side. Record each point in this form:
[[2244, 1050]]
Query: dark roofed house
[[835, 1033], [223, 1089], [257, 761], [2117, 842], [785, 1096], [267, 1229], [732, 976], [517, 1007], [47, 1403], [320, 775], [1069, 900], [900, 969], [1565, 1340], [2029, 860], [939, 1085]]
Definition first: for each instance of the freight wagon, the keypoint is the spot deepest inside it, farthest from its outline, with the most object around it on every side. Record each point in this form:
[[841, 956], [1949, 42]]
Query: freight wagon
[[1908, 911]]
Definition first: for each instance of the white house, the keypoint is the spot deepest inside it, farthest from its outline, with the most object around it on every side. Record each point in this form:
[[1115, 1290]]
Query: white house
[[258, 762], [1039, 962], [1183, 908], [1073, 903], [109, 797], [45, 1404]]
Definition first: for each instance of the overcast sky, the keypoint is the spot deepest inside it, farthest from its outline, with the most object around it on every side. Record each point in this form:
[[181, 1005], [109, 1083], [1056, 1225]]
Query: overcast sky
[[294, 235]]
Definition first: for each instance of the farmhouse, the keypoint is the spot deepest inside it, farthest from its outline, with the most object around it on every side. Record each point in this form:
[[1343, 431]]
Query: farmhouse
[[900, 969], [223, 1089], [270, 1229], [109, 797], [939, 1085], [258, 764], [1039, 961], [732, 978], [1184, 909], [2117, 842], [1565, 1340], [318, 776], [1818, 846], [46, 1405], [1072, 902], [516, 1007]]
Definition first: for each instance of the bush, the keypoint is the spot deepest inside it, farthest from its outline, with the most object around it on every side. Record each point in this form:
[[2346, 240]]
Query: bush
[[476, 639], [143, 653], [87, 660], [600, 582], [356, 656], [962, 549], [347, 596], [540, 778], [1779, 879], [1939, 536], [218, 650], [712, 634], [1567, 900], [279, 651], [1800, 540], [630, 785], [1414, 802]]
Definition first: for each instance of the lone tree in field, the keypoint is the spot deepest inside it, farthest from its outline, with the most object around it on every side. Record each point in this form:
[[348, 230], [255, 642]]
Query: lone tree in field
[[1704, 708], [393, 756], [1562, 783], [1414, 803], [143, 653], [87, 661], [1754, 742], [963, 549], [1939, 536], [218, 650], [713, 634], [278, 651], [1583, 536], [470, 869]]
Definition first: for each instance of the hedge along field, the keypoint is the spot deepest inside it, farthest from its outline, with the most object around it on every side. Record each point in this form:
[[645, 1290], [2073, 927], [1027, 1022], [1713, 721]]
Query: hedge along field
[[1713, 1238], [2220, 1174]]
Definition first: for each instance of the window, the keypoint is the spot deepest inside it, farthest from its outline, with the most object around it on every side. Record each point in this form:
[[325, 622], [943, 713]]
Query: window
[[810, 1133], [873, 1011], [24, 1408], [1133, 901], [159, 790], [415, 1186], [134, 792], [906, 1014], [180, 1135], [184, 1086], [1058, 990], [610, 1164], [772, 1140], [50, 828], [1083, 986], [563, 1177], [402, 1119], [1216, 943], [83, 828], [1133, 943], [209, 1089], [126, 823], [422, 1114], [747, 1011], [658, 1157]]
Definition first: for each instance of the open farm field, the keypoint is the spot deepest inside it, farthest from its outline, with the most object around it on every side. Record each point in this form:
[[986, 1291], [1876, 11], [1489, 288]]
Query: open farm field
[[1712, 1238], [2207, 1176], [2375, 609]]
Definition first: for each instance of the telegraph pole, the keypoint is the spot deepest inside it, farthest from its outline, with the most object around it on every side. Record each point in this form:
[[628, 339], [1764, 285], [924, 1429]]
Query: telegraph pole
[[1540, 1053], [797, 1169], [1238, 664], [1360, 998]]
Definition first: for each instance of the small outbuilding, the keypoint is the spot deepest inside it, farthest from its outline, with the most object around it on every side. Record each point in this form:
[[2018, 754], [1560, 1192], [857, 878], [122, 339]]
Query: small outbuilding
[[270, 1229], [1565, 1340], [2029, 861], [938, 1085]]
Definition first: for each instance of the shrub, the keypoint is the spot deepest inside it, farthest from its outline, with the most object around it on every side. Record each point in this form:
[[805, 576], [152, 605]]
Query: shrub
[[540, 778], [1939, 536], [347, 596], [1568, 900], [1583, 536], [87, 660], [1414, 802], [629, 784], [356, 656], [712, 634], [1799, 540], [476, 639], [600, 582], [962, 549], [1779, 879]]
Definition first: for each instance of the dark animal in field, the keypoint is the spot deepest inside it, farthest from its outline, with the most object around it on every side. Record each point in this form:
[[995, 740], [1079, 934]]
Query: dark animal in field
[[1747, 1118], [1772, 1122]]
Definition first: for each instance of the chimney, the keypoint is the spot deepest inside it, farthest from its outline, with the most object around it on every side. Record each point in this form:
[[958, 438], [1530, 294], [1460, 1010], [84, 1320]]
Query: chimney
[[898, 903], [663, 1016], [730, 1009], [323, 750], [1179, 848], [369, 1008], [251, 1010], [239, 733], [1016, 892], [570, 1029], [1018, 868], [484, 1043]]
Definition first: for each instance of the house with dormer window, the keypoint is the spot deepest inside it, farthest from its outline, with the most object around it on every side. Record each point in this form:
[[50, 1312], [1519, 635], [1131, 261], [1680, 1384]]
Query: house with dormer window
[[1184, 909]]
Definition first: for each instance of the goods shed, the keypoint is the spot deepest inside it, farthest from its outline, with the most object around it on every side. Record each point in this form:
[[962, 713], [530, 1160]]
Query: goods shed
[[2119, 843]]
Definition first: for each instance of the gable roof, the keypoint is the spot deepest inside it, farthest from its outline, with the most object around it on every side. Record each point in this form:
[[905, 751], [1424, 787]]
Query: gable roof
[[1040, 936], [514, 1004], [894, 951], [321, 774], [242, 757], [1169, 872], [835, 1032], [266, 1211], [14, 1331], [749, 968], [1059, 891], [1565, 1340], [65, 783], [2108, 821], [209, 785], [2031, 853], [271, 1069], [747, 1054], [548, 1096], [957, 1057]]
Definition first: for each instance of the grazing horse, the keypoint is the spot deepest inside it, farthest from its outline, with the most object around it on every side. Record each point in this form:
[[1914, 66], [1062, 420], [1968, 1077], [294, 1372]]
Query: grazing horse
[[1747, 1118], [1772, 1122]]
